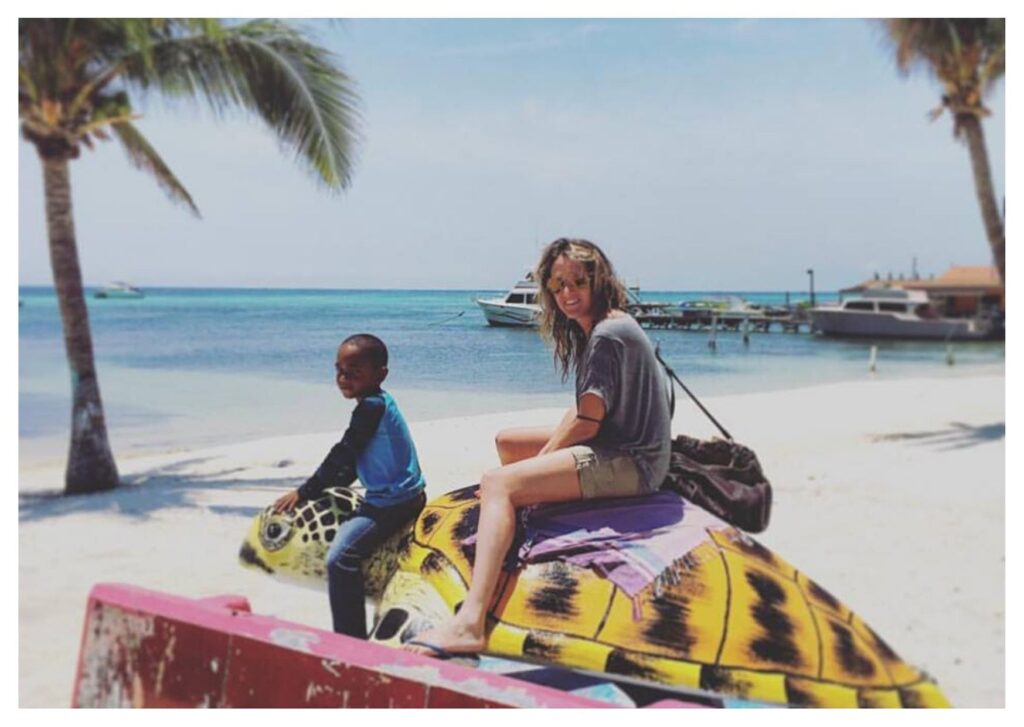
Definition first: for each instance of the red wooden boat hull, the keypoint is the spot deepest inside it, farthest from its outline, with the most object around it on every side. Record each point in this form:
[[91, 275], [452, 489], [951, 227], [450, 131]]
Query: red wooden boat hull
[[142, 648]]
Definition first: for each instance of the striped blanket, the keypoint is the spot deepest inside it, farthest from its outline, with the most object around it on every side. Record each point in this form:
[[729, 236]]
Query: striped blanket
[[631, 541]]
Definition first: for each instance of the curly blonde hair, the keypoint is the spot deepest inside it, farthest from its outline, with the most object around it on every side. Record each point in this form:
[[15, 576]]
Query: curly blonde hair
[[607, 294]]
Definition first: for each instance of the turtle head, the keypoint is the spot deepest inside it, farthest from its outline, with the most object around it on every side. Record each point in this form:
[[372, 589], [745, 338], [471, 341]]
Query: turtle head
[[293, 546]]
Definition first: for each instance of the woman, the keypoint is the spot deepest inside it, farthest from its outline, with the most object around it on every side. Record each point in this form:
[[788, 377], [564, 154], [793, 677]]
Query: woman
[[613, 442]]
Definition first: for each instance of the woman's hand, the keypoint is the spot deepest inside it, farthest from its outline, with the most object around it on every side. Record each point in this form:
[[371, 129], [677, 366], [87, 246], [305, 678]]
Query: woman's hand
[[579, 425]]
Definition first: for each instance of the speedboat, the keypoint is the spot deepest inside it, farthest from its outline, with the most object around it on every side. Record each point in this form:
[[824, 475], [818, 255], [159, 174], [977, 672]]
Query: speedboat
[[518, 307], [119, 289], [895, 313]]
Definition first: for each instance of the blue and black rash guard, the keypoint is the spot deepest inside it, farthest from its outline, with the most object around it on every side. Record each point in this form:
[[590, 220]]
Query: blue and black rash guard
[[377, 448]]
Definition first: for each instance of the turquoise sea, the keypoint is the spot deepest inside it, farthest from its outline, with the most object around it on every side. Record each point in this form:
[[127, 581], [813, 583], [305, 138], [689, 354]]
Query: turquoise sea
[[185, 365]]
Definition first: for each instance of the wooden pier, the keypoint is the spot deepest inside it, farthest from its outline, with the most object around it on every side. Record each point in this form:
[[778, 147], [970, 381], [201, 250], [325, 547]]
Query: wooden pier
[[663, 316]]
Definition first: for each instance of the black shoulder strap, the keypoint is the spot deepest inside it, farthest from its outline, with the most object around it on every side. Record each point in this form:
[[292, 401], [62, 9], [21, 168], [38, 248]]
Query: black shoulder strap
[[672, 374]]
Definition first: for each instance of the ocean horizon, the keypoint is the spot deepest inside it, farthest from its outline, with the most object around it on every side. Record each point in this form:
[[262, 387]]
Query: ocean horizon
[[92, 287]]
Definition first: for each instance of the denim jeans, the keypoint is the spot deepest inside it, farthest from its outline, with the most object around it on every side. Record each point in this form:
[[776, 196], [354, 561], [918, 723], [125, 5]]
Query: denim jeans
[[357, 538]]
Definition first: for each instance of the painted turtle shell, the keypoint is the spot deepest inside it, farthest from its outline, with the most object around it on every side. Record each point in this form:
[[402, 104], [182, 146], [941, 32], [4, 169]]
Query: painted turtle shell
[[728, 617]]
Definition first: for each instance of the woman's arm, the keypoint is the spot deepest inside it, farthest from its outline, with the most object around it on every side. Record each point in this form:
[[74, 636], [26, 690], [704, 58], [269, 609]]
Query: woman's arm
[[577, 426]]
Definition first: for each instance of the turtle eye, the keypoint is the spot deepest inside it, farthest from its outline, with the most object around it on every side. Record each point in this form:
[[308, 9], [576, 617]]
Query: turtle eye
[[275, 533]]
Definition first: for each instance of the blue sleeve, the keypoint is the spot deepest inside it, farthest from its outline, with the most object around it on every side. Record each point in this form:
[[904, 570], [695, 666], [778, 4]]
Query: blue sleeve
[[339, 466]]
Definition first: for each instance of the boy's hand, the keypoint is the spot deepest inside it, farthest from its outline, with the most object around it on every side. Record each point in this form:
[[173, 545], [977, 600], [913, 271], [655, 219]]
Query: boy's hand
[[287, 502]]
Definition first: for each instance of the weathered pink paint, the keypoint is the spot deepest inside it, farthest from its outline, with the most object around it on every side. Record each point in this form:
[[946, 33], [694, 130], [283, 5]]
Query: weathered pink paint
[[141, 648]]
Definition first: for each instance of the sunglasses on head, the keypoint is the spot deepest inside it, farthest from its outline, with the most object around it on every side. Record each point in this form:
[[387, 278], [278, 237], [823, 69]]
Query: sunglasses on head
[[555, 285]]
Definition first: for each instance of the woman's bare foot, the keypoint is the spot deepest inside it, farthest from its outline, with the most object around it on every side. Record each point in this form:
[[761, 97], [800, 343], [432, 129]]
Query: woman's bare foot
[[452, 637]]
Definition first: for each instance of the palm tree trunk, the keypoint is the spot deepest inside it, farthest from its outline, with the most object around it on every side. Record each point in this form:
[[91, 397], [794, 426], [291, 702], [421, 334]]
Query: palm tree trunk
[[971, 127], [91, 465]]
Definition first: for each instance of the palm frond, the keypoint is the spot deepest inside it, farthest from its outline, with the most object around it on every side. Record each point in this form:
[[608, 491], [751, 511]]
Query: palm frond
[[952, 49], [143, 156], [93, 86], [993, 68], [96, 127], [270, 69], [26, 85], [75, 75]]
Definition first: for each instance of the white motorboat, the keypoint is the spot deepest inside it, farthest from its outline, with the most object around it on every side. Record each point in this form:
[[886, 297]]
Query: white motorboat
[[119, 289], [895, 313], [518, 307]]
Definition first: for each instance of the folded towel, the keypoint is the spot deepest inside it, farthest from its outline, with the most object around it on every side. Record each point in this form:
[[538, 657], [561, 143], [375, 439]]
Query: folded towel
[[631, 541]]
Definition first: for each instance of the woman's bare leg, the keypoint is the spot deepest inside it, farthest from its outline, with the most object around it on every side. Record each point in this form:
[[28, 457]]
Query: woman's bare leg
[[519, 443], [548, 478]]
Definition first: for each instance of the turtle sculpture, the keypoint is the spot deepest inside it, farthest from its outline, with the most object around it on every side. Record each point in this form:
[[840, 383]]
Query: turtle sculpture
[[728, 616]]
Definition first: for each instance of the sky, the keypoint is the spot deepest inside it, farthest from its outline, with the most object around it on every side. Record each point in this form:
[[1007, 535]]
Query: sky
[[699, 154]]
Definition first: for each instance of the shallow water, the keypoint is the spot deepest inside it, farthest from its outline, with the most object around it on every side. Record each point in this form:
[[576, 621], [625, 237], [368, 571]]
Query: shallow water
[[186, 366]]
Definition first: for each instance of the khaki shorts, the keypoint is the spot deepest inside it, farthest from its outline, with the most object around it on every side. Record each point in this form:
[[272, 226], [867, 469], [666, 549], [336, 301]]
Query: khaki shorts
[[606, 474]]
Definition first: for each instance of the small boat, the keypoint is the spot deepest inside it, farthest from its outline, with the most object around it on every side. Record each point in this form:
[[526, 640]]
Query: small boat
[[518, 307], [896, 313], [119, 289], [728, 312], [701, 310]]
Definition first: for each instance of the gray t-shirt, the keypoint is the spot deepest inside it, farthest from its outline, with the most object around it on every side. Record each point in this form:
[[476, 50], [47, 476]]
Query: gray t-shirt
[[618, 365]]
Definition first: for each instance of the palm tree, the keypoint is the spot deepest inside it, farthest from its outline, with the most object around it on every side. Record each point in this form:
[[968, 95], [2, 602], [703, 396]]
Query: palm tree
[[967, 56], [75, 78]]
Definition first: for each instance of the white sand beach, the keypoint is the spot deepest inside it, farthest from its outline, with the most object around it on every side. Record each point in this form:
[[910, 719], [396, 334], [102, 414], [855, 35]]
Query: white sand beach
[[890, 493]]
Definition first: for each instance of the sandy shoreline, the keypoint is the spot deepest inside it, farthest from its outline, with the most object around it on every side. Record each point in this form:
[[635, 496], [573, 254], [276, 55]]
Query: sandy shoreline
[[890, 493]]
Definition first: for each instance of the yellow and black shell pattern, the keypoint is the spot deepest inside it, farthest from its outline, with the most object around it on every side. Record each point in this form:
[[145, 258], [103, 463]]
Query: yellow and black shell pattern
[[733, 619]]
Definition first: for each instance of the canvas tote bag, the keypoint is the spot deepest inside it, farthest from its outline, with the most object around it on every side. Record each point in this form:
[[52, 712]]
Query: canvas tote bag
[[720, 475]]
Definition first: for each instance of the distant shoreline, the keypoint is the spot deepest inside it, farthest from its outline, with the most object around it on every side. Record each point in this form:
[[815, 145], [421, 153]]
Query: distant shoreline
[[263, 288]]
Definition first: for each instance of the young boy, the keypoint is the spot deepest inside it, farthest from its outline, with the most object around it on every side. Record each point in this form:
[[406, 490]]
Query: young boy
[[378, 449]]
